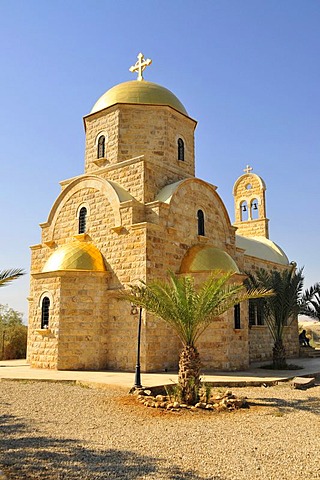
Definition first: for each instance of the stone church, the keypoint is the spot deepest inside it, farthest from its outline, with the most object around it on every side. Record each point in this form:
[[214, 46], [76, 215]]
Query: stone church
[[137, 211]]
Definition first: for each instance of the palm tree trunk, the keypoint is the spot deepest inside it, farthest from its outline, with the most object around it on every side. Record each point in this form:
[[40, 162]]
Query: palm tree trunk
[[189, 374], [279, 355]]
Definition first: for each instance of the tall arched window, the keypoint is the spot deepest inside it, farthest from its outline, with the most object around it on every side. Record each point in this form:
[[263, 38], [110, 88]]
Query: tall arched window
[[244, 214], [45, 312], [82, 220], [101, 146], [180, 149], [200, 216], [254, 209]]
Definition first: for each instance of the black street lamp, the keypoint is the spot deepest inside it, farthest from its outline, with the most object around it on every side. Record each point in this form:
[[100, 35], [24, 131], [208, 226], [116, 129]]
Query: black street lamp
[[137, 377]]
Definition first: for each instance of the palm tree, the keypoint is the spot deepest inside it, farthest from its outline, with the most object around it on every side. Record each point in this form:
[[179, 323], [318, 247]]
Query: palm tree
[[189, 311], [310, 302], [6, 276], [280, 309]]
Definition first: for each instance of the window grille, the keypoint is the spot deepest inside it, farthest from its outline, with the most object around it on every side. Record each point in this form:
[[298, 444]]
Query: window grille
[[256, 312], [180, 149], [200, 216], [101, 146], [82, 220], [45, 312]]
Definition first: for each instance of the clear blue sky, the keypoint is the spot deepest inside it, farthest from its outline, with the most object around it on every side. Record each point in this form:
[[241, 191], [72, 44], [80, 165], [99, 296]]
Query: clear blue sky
[[247, 70]]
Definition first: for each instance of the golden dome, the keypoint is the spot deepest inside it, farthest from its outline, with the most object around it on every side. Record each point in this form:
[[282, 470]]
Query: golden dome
[[262, 247], [75, 256], [138, 92], [205, 258]]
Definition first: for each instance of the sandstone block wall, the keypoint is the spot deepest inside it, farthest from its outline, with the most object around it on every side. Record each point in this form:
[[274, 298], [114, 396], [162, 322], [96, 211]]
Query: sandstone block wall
[[140, 238]]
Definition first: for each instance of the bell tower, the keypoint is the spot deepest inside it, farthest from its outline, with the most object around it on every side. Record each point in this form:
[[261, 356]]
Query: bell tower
[[250, 205]]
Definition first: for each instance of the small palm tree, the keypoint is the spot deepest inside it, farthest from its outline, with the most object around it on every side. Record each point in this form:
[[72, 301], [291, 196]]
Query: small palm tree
[[189, 311], [310, 302], [6, 276], [280, 309]]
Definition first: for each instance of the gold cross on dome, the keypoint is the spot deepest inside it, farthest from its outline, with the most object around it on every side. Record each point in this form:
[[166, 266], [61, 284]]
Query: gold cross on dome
[[248, 169], [140, 65]]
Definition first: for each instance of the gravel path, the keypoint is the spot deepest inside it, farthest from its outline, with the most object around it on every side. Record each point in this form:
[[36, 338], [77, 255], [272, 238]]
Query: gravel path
[[52, 431]]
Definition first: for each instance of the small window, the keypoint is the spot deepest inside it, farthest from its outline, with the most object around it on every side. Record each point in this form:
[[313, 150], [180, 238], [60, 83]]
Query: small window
[[256, 312], [237, 317], [101, 146], [45, 312], [200, 216], [82, 220], [180, 149]]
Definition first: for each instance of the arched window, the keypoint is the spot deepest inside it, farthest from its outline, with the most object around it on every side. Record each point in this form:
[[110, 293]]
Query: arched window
[[180, 149], [82, 220], [244, 214], [45, 312], [254, 209], [200, 216], [101, 146]]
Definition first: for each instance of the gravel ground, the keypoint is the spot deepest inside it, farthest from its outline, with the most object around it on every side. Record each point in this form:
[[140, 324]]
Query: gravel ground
[[60, 431]]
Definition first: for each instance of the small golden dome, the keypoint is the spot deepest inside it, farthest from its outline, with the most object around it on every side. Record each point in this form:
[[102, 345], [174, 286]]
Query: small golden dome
[[206, 258], [75, 256], [138, 92]]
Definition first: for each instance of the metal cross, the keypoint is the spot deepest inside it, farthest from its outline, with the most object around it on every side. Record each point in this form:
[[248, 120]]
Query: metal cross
[[140, 65], [248, 169]]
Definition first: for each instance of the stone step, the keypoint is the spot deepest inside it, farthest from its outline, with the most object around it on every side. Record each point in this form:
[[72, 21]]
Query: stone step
[[309, 352], [303, 382]]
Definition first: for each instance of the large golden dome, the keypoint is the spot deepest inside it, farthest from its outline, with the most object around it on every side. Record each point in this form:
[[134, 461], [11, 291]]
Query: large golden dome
[[138, 92], [75, 256]]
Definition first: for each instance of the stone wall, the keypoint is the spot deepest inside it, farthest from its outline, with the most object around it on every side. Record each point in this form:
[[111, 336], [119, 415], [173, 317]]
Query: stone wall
[[141, 234], [136, 131], [83, 321], [42, 351]]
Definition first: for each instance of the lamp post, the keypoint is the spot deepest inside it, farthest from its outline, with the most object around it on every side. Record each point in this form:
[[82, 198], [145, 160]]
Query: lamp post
[[137, 377]]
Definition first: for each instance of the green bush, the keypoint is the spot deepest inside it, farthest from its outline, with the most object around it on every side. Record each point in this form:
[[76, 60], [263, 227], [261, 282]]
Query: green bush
[[13, 334]]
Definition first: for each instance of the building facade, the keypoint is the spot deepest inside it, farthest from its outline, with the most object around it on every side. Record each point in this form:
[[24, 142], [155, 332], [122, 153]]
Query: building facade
[[137, 211]]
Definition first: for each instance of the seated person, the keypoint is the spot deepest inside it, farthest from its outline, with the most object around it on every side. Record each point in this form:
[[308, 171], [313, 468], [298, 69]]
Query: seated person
[[303, 339]]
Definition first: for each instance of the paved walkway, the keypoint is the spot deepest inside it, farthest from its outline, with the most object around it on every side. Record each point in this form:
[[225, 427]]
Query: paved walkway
[[20, 370]]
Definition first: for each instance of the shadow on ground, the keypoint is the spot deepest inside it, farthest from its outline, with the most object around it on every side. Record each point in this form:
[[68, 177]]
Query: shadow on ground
[[24, 455], [308, 404]]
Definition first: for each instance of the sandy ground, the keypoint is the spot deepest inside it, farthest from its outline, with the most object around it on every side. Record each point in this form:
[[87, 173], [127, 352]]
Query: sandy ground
[[59, 431]]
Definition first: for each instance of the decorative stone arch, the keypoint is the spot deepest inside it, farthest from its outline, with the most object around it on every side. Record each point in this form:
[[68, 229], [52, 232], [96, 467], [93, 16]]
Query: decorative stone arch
[[113, 192], [251, 179], [45, 293], [82, 204], [100, 134], [211, 188]]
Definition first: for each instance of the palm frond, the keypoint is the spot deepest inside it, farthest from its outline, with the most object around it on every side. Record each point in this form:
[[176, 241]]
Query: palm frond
[[188, 309], [310, 302], [284, 305], [7, 276]]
